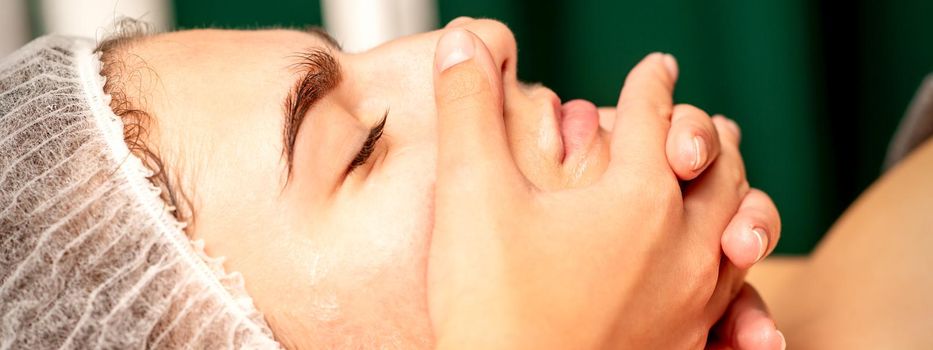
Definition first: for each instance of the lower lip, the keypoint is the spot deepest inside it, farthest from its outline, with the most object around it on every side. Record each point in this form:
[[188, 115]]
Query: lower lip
[[579, 121]]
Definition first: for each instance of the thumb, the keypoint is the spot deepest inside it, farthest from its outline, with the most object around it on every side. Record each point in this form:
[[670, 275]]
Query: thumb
[[472, 140]]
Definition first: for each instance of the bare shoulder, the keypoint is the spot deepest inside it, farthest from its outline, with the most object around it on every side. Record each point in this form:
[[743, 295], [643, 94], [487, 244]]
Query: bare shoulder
[[869, 281]]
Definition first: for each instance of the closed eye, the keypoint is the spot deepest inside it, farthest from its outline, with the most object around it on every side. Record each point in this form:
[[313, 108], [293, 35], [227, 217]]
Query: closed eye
[[320, 74], [375, 133]]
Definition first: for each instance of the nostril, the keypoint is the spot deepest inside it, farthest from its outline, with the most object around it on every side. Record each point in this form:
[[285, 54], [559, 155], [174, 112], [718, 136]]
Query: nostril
[[499, 39]]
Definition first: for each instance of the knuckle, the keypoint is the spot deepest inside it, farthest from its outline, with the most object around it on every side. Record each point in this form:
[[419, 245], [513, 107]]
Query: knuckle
[[743, 186], [735, 179], [733, 168], [737, 176]]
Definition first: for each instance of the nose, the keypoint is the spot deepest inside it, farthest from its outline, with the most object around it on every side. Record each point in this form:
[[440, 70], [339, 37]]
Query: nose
[[498, 38], [399, 74]]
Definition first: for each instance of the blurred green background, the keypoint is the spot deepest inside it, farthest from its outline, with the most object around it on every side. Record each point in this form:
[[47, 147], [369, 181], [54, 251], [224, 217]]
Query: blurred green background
[[817, 86]]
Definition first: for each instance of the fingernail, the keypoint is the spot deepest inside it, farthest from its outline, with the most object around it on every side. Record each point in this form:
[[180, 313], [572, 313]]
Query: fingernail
[[671, 64], [454, 47], [783, 341], [699, 153], [762, 238]]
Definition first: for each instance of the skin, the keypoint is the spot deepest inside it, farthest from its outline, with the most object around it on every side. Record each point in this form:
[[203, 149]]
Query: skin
[[500, 278], [335, 259], [867, 284]]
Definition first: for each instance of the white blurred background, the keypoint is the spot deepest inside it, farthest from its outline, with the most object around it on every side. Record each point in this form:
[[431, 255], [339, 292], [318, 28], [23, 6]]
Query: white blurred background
[[357, 24], [14, 25]]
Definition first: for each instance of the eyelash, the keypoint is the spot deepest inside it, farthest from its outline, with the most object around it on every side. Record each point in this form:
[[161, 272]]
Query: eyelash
[[370, 145]]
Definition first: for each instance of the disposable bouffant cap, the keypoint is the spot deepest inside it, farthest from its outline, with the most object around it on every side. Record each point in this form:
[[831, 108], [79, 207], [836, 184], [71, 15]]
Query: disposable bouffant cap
[[90, 256]]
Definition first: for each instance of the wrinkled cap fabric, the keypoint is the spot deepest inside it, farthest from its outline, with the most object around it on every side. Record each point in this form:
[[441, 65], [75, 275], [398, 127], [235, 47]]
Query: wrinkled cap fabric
[[90, 256]]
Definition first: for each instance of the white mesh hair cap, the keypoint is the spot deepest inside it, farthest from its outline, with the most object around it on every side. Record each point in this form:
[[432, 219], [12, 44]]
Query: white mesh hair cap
[[90, 256]]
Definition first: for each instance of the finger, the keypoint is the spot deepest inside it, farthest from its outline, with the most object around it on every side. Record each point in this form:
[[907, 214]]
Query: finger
[[723, 124], [468, 92], [747, 325], [692, 142], [753, 232], [728, 285], [643, 116], [500, 41], [711, 202], [459, 21], [687, 123], [731, 124], [713, 198]]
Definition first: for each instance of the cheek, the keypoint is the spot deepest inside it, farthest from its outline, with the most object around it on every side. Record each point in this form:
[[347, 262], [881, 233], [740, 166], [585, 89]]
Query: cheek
[[386, 223], [380, 235], [362, 274]]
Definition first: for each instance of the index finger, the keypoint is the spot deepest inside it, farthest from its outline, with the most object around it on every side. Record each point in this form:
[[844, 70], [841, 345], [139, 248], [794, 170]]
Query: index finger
[[643, 114]]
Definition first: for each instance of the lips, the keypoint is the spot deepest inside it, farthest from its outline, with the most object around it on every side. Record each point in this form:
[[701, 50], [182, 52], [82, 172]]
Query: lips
[[579, 122]]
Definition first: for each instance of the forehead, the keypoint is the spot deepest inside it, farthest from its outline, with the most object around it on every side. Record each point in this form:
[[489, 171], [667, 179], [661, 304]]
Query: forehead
[[225, 51], [216, 97], [214, 74], [222, 40], [216, 70]]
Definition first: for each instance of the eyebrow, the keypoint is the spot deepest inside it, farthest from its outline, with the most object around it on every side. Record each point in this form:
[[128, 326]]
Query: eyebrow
[[320, 73]]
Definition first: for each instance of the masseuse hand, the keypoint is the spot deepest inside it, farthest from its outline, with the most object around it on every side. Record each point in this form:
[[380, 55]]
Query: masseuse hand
[[692, 145], [750, 236], [628, 260]]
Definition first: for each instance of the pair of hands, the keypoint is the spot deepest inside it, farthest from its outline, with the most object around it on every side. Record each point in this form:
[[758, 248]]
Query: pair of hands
[[631, 260]]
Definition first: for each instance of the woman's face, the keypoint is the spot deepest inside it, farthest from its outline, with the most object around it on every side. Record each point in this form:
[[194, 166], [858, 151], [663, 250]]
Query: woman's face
[[332, 243]]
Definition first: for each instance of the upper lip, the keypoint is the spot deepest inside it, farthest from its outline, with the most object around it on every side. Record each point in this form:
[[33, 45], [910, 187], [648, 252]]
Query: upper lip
[[555, 102], [546, 101]]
